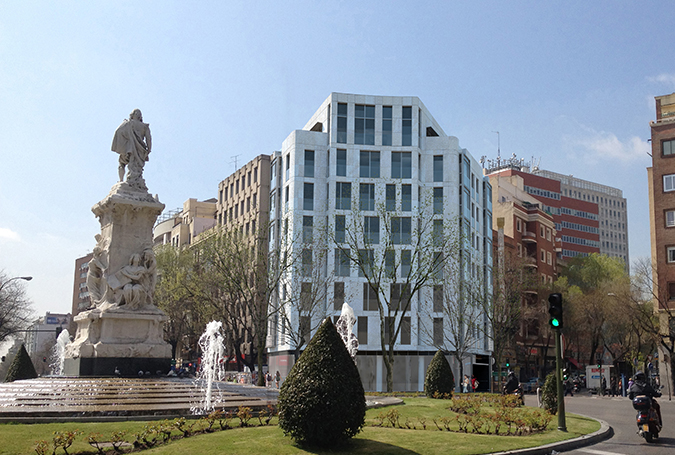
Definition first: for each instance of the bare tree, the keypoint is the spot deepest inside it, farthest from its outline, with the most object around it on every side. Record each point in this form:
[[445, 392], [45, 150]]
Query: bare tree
[[394, 249], [15, 307]]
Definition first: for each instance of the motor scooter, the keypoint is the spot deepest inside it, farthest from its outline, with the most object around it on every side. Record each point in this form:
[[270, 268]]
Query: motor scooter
[[647, 418], [518, 392]]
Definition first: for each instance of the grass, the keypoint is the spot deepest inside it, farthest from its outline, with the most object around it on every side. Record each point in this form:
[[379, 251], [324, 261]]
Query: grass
[[20, 439]]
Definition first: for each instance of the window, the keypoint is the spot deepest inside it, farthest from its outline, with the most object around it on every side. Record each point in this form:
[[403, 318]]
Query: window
[[255, 174], [438, 200], [399, 297], [390, 197], [309, 163], [343, 196], [548, 258], [364, 124], [248, 182], [438, 332], [370, 164], [371, 230], [367, 192], [386, 125], [669, 182], [254, 200], [406, 198], [668, 147], [390, 263], [437, 233], [406, 262], [405, 330], [305, 296], [307, 262], [518, 226], [438, 298], [308, 196], [438, 168], [400, 230], [362, 330], [305, 328], [307, 229], [369, 298], [341, 163], [670, 254], [543, 256], [366, 259], [406, 137], [671, 291], [341, 262], [342, 123], [288, 166], [338, 295], [389, 328], [339, 228], [548, 234], [670, 218], [542, 232], [401, 165]]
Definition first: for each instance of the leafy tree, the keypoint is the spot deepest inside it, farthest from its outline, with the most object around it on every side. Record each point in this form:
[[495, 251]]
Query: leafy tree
[[176, 297], [322, 401], [238, 279], [21, 367], [439, 378], [15, 307]]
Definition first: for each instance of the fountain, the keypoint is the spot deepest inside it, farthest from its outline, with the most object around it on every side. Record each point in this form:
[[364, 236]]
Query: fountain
[[58, 356], [344, 326], [212, 367]]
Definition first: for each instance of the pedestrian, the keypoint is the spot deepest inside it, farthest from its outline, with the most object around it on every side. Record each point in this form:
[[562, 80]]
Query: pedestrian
[[277, 379], [474, 383], [604, 386], [268, 379], [465, 384], [612, 387]]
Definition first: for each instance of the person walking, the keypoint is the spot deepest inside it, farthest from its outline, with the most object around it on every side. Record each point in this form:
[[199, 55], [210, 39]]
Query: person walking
[[474, 383], [465, 384]]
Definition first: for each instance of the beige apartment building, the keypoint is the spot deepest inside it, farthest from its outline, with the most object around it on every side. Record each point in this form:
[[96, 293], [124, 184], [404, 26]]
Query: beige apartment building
[[183, 227]]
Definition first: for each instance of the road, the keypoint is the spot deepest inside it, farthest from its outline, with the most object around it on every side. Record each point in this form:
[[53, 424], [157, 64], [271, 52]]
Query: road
[[619, 413]]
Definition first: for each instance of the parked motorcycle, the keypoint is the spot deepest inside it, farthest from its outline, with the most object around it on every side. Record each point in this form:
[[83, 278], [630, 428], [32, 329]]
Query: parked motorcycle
[[647, 418]]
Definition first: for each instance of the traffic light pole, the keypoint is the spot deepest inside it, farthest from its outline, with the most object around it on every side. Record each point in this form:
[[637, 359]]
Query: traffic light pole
[[562, 426]]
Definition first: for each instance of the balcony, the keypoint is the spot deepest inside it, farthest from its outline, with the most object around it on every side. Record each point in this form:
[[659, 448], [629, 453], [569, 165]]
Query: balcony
[[529, 237], [530, 261]]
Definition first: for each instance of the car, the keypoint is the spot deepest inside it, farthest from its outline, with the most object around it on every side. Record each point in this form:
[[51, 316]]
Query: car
[[532, 385]]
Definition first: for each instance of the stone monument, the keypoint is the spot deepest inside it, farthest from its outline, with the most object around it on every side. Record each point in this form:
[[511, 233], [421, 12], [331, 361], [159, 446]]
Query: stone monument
[[122, 331]]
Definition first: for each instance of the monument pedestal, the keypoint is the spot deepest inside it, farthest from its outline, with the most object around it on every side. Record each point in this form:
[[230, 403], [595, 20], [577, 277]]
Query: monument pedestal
[[129, 341], [123, 330]]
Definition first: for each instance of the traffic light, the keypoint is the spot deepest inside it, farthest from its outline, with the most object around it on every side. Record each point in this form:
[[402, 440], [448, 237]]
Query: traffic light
[[565, 374], [508, 363], [555, 309]]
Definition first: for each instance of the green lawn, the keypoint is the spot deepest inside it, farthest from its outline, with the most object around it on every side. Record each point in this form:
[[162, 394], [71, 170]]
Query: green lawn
[[20, 439]]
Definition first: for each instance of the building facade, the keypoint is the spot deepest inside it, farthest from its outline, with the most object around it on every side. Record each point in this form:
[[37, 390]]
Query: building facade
[[662, 220], [81, 301], [612, 211], [527, 245], [182, 227], [577, 220], [375, 169]]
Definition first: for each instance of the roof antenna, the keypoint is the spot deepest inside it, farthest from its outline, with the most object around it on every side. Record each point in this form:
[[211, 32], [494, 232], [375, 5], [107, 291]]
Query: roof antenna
[[498, 148], [234, 159]]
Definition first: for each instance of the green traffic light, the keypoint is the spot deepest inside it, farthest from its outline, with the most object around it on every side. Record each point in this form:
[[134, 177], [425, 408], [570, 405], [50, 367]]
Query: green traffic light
[[555, 322]]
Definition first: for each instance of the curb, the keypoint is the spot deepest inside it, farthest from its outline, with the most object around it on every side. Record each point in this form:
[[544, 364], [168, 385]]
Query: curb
[[605, 432]]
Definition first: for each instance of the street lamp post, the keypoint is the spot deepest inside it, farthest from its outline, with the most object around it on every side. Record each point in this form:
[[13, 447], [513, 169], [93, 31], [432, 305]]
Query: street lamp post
[[26, 278]]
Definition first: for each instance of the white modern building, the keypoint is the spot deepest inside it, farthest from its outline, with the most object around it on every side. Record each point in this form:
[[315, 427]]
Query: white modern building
[[374, 162]]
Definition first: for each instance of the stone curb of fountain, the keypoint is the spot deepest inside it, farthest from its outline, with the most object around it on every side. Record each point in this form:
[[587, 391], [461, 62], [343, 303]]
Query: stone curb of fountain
[[605, 432], [380, 402]]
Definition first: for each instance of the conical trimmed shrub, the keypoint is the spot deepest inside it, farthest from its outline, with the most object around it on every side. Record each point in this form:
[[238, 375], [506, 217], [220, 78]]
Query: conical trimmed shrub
[[439, 379], [322, 401], [549, 395], [21, 367]]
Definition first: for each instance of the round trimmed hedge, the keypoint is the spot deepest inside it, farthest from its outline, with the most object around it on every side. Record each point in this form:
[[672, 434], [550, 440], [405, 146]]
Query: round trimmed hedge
[[439, 380], [322, 401]]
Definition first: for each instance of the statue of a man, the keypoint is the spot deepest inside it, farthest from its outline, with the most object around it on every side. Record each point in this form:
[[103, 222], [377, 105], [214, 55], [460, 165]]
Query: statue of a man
[[133, 142]]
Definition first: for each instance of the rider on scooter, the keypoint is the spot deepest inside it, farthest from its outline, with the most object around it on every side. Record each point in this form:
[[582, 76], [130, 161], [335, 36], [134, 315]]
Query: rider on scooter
[[640, 387], [512, 384]]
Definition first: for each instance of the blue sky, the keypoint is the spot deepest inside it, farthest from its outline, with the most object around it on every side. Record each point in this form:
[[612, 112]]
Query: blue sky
[[571, 83]]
